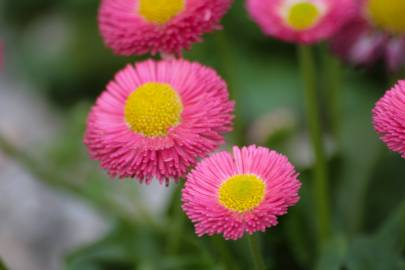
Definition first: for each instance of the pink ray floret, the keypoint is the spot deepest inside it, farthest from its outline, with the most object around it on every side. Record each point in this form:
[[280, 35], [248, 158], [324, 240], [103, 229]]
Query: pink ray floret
[[200, 195], [128, 33], [207, 114], [389, 118]]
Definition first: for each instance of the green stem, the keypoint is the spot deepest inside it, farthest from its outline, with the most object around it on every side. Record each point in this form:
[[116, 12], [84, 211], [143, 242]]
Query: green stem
[[225, 253], [333, 86], [256, 253], [229, 68], [321, 196], [177, 222]]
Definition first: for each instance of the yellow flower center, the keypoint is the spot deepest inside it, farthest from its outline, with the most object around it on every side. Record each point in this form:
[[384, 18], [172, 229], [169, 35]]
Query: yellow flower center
[[388, 14], [303, 15], [152, 109], [242, 193], [160, 11]]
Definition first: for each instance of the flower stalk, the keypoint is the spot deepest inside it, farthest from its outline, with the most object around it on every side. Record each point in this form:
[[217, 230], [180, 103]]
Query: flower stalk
[[256, 253], [320, 184]]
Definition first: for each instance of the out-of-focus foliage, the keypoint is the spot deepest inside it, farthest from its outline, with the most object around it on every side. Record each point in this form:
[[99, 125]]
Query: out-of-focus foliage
[[2, 266], [59, 50], [381, 250]]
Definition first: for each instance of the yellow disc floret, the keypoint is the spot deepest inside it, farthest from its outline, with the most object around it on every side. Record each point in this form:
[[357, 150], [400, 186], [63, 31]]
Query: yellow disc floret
[[152, 109], [160, 11], [242, 193], [388, 14], [303, 15]]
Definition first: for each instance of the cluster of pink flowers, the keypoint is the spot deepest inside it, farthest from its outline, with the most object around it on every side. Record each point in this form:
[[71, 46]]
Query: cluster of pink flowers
[[205, 115], [156, 119], [375, 31], [361, 32]]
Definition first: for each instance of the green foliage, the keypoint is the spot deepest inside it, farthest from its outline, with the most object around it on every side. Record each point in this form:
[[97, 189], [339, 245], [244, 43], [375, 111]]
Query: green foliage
[[130, 247], [379, 251]]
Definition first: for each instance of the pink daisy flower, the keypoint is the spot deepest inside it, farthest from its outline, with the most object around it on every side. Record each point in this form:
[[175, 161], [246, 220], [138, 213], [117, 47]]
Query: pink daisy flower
[[300, 21], [376, 31], [155, 118], [246, 191], [168, 26], [389, 118]]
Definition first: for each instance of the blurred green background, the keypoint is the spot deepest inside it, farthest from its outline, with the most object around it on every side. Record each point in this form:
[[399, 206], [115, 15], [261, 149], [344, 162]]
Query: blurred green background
[[53, 48]]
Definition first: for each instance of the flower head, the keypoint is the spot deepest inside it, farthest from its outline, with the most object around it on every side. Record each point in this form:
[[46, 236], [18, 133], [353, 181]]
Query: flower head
[[301, 21], [246, 191], [156, 118], [389, 118], [375, 31], [140, 26]]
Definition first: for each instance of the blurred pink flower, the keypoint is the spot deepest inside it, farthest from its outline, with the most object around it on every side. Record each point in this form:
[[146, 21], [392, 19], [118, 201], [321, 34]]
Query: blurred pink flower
[[246, 191], [156, 118], [140, 26], [389, 118], [376, 31], [300, 21]]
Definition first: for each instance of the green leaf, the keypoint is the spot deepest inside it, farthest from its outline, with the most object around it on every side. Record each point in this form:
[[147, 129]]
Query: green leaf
[[334, 254], [383, 250], [392, 234], [99, 256], [299, 233], [120, 249], [130, 247], [386, 189]]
